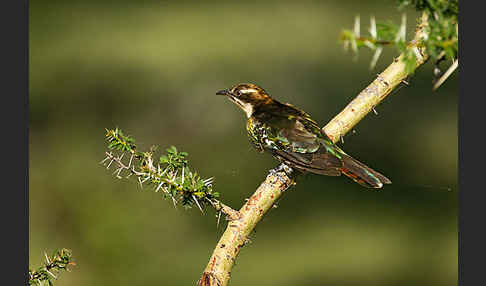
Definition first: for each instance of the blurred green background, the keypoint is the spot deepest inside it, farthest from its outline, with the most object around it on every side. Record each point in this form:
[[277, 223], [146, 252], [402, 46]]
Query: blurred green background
[[153, 67]]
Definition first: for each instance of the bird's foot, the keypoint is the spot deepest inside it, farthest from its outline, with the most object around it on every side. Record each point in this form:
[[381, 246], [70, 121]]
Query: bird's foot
[[282, 167], [277, 171]]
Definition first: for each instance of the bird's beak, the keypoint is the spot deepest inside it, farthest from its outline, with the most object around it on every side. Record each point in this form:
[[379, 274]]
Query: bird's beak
[[223, 92]]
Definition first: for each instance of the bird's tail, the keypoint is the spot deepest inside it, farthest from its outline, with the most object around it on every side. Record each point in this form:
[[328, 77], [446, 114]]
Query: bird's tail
[[362, 174]]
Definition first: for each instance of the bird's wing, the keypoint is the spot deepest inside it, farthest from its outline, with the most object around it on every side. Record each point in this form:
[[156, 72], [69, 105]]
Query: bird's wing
[[295, 138], [288, 129], [317, 163]]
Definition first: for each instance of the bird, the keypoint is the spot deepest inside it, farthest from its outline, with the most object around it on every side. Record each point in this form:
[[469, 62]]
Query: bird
[[290, 135]]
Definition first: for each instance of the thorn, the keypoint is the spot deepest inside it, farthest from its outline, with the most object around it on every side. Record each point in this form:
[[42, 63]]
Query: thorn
[[174, 201], [116, 170], [354, 45], [342, 139], [140, 181], [449, 71], [146, 178], [374, 110], [219, 218], [197, 203], [346, 45], [401, 33], [375, 58], [356, 26], [158, 187], [51, 274], [373, 27], [405, 82], [109, 164], [404, 27], [175, 176], [164, 188], [183, 175], [208, 181], [130, 163], [104, 160], [119, 172], [47, 258], [165, 170]]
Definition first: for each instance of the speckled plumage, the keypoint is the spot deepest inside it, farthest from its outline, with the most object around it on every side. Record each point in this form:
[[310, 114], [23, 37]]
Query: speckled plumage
[[294, 138]]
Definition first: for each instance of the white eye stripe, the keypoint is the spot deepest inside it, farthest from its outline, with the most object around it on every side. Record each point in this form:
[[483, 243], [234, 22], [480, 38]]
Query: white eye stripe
[[250, 90]]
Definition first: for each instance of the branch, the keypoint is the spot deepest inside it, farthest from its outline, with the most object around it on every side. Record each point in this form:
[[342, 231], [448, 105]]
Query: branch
[[449, 71], [236, 235], [376, 92], [59, 261], [237, 232], [171, 174]]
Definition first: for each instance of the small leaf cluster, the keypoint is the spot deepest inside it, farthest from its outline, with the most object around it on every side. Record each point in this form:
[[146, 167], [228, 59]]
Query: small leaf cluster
[[442, 39], [174, 159], [170, 174], [118, 141], [442, 34], [44, 275], [446, 7]]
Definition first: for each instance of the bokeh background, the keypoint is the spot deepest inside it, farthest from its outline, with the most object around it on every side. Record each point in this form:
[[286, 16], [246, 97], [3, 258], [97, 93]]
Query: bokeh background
[[152, 68]]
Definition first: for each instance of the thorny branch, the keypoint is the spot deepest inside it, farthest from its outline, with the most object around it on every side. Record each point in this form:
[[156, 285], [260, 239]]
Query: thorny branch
[[383, 85], [54, 264], [173, 177]]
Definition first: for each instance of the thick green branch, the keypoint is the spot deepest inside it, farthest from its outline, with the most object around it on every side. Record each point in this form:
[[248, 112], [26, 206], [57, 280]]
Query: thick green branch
[[218, 270]]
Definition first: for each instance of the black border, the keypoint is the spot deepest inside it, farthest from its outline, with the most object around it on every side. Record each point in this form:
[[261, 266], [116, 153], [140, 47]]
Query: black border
[[471, 225], [15, 141]]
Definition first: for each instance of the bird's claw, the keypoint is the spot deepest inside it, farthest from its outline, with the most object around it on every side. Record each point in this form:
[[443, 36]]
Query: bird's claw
[[282, 167]]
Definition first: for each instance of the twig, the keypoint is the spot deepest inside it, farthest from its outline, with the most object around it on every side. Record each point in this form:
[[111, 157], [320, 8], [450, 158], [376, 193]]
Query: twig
[[142, 177], [449, 71]]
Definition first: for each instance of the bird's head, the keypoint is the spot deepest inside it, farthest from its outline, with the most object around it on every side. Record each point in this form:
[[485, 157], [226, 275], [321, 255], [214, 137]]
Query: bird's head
[[247, 96]]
